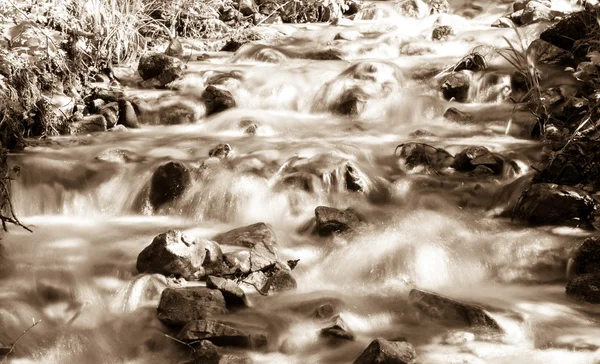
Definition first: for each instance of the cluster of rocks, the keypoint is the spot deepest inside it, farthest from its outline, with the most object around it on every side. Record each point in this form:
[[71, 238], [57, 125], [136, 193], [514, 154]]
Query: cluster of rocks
[[105, 110], [474, 160], [526, 12]]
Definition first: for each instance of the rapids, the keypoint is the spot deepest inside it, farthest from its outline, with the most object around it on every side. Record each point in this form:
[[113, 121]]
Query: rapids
[[83, 197]]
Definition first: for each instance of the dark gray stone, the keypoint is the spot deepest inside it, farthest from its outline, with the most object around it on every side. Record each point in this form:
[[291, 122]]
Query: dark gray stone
[[168, 183], [381, 351], [261, 240], [338, 330], [585, 288], [331, 220], [450, 311], [281, 281], [234, 295], [217, 100], [127, 115], [174, 253], [178, 306], [587, 257], [221, 334], [442, 32], [160, 65], [456, 87]]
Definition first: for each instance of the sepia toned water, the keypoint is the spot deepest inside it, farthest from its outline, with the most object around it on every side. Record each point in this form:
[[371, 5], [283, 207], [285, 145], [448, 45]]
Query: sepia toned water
[[83, 197]]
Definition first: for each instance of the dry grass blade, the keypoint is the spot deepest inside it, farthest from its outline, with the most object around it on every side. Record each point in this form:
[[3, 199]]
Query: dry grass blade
[[12, 348]]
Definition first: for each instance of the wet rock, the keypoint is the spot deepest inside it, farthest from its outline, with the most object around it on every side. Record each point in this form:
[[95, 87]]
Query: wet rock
[[127, 115], [570, 29], [220, 334], [232, 45], [348, 35], [507, 21], [110, 112], [472, 157], [472, 62], [535, 12], [387, 352], [420, 9], [217, 100], [174, 253], [447, 310], [353, 7], [338, 330], [585, 288], [442, 32], [421, 133], [438, 6], [89, 124], [522, 4], [247, 7], [174, 48], [552, 204], [331, 220], [160, 68], [168, 183], [458, 116], [261, 240], [233, 294], [281, 281], [237, 261], [351, 102], [419, 154], [587, 258], [221, 151], [456, 87], [178, 306], [204, 352], [95, 105]]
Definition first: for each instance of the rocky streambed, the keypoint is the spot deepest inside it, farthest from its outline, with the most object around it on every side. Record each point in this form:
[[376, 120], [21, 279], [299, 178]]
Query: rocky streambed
[[412, 183]]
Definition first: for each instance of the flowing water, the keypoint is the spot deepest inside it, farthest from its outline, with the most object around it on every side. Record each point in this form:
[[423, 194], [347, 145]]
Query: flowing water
[[84, 199]]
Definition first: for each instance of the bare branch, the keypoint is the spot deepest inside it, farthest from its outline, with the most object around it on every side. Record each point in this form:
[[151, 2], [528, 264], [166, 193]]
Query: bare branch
[[12, 348]]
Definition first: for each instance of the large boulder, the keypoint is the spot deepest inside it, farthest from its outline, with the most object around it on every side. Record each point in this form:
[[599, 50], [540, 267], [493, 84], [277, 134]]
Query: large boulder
[[178, 306], [381, 351], [261, 240], [217, 99], [587, 258], [168, 183], [174, 253], [233, 294], [331, 220], [220, 334], [159, 69], [571, 29], [447, 310], [552, 204], [585, 288]]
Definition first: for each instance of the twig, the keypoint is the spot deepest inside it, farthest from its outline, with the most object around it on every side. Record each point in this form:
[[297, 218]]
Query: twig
[[178, 341], [12, 348], [14, 220]]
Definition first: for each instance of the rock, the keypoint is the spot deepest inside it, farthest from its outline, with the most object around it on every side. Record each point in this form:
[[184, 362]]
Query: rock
[[281, 281], [156, 64], [442, 32], [248, 236], [110, 112], [507, 21], [178, 306], [217, 100], [127, 115], [237, 261], [472, 62], [95, 105], [232, 45], [118, 128], [458, 116], [456, 87], [353, 7], [419, 154], [174, 253], [468, 159], [420, 9], [247, 7], [220, 334], [552, 204], [585, 288], [570, 29], [450, 311], [547, 53], [587, 258], [89, 124], [382, 351], [259, 237], [535, 12], [438, 6], [175, 48], [233, 294], [221, 151], [206, 352], [522, 4], [351, 102], [331, 220], [168, 183], [338, 330], [350, 35]]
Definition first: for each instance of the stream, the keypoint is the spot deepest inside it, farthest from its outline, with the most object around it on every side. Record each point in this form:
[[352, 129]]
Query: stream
[[83, 197]]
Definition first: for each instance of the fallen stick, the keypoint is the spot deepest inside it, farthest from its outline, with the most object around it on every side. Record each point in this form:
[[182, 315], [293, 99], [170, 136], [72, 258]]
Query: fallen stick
[[12, 348]]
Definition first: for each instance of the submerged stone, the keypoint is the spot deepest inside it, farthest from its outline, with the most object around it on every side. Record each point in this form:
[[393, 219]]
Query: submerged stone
[[174, 253], [450, 311], [178, 306], [381, 351], [331, 220], [168, 183]]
